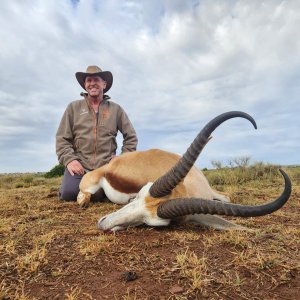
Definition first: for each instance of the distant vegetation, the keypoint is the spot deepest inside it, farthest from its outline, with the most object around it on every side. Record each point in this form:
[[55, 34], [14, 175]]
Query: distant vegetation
[[9, 181], [239, 171], [26, 180], [56, 171], [241, 162]]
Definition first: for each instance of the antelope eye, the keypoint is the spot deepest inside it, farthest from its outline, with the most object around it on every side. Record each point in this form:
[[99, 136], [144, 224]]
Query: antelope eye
[[132, 199]]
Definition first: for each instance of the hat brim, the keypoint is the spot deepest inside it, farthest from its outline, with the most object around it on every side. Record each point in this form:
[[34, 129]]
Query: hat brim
[[105, 75]]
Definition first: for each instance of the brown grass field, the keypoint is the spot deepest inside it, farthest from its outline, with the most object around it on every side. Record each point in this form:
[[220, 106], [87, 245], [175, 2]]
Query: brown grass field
[[52, 250]]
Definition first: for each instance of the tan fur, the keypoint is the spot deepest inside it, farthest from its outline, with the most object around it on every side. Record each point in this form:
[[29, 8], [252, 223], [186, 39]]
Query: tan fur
[[132, 170], [142, 166], [129, 172], [92, 178]]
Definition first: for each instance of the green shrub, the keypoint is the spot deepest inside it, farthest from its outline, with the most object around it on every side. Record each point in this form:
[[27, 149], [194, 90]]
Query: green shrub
[[56, 171]]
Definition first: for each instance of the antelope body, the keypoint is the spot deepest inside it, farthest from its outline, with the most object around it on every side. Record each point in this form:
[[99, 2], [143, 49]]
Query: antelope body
[[158, 186]]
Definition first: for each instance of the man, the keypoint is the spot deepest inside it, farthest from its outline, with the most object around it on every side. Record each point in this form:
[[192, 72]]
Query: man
[[86, 137]]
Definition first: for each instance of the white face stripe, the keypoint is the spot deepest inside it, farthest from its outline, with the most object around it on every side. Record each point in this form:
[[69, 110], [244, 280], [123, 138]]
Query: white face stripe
[[132, 214]]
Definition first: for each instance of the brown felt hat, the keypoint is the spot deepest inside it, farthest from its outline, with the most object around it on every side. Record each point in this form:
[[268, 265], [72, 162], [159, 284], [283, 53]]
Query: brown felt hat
[[92, 71]]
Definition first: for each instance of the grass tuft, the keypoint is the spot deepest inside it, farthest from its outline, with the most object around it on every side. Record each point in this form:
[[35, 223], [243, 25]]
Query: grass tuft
[[194, 269]]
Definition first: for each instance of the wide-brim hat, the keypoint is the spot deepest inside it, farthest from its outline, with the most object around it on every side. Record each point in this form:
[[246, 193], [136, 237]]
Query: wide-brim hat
[[93, 71]]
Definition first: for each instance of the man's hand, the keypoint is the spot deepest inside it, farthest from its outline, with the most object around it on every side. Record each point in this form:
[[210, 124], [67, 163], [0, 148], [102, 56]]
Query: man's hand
[[75, 167]]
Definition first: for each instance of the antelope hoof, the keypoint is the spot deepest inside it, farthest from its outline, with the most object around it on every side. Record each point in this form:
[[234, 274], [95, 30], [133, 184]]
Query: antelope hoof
[[83, 199]]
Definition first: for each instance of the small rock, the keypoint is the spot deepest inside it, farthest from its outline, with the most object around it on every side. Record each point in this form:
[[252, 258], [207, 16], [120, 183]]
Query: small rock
[[176, 289], [129, 276]]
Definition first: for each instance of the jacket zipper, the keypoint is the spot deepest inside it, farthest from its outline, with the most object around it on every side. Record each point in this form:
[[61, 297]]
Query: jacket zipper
[[94, 132], [95, 137]]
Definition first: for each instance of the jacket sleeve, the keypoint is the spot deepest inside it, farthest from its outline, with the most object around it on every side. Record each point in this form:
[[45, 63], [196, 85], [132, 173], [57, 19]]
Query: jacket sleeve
[[65, 139], [129, 135]]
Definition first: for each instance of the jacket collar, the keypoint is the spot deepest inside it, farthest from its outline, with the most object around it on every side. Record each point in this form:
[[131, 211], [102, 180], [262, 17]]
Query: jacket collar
[[105, 97]]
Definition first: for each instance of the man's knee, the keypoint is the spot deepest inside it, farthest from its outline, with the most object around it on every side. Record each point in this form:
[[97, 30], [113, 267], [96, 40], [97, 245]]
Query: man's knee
[[69, 188]]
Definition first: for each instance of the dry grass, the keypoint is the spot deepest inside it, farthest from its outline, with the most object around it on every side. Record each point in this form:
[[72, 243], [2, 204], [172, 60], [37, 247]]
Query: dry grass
[[76, 293], [32, 260], [194, 269], [52, 249], [93, 246]]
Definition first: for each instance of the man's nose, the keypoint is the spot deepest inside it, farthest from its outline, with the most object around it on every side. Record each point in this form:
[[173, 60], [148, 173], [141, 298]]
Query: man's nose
[[93, 82]]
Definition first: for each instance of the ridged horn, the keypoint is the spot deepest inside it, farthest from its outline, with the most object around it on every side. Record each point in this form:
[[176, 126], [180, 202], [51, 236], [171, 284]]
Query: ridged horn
[[166, 183], [186, 206]]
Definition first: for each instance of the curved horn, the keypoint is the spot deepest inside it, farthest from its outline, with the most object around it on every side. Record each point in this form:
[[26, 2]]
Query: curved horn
[[186, 206], [166, 183]]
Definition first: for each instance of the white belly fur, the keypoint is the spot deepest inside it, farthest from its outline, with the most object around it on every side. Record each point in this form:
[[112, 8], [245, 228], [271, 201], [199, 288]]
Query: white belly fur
[[113, 195]]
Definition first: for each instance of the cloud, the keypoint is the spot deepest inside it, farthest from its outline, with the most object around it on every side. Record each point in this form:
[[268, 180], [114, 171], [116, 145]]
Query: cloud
[[176, 65]]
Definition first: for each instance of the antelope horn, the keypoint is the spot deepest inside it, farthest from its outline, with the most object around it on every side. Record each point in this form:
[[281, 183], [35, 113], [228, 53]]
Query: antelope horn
[[185, 206], [166, 183]]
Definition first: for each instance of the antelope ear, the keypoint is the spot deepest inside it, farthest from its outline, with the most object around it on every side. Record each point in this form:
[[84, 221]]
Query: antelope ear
[[215, 222]]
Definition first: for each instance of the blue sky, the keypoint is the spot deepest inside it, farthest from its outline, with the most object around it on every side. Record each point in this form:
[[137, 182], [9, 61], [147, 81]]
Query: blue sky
[[176, 65]]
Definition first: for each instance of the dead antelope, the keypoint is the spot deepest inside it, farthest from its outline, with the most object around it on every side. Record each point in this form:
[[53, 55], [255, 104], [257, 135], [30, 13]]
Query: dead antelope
[[160, 186]]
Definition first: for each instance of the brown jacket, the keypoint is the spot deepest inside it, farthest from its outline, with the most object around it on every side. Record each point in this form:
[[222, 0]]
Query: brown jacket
[[80, 136]]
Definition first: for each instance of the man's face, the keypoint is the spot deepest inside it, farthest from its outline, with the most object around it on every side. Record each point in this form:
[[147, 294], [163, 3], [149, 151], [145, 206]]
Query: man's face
[[94, 85]]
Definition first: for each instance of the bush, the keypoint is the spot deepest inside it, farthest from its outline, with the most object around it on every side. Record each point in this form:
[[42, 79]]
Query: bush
[[27, 178], [56, 171], [242, 174]]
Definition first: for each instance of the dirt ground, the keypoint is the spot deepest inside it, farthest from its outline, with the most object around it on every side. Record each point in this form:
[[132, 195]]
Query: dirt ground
[[52, 250]]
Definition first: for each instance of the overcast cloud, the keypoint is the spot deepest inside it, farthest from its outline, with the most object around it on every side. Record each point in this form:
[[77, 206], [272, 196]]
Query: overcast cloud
[[176, 65]]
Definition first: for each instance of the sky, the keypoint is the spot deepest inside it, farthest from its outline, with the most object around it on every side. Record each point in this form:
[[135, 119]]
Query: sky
[[176, 65]]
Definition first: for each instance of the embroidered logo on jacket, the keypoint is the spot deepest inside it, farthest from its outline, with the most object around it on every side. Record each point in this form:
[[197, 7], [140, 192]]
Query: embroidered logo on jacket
[[83, 111]]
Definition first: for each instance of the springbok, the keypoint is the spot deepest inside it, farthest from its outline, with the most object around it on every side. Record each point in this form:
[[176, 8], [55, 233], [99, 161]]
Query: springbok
[[160, 186]]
